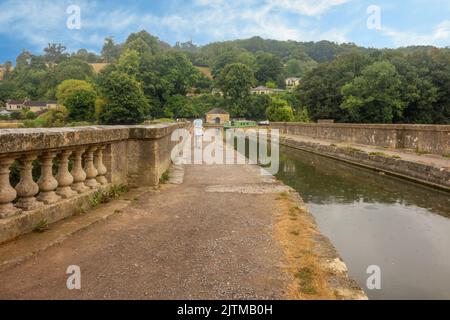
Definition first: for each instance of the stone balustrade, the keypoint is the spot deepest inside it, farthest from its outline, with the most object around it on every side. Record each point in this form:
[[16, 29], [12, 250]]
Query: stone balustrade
[[29, 194], [72, 164]]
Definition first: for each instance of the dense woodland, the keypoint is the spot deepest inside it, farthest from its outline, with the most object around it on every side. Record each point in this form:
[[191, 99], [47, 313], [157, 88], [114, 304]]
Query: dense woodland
[[149, 79]]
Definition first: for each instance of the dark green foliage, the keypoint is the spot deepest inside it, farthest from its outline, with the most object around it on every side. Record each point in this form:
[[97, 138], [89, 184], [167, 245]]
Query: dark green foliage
[[149, 79], [279, 111], [81, 105], [125, 100]]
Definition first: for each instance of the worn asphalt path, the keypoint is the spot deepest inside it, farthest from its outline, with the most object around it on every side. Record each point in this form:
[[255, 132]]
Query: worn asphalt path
[[181, 242]]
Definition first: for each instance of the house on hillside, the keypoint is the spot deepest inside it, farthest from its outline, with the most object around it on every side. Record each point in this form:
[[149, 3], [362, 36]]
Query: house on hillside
[[34, 106], [261, 90], [292, 82], [265, 90], [14, 105], [52, 104], [217, 116]]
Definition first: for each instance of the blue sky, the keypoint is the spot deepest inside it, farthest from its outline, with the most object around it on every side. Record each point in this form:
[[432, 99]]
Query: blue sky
[[31, 24]]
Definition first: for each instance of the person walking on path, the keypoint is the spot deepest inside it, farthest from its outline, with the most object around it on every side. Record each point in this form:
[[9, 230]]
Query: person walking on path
[[198, 133]]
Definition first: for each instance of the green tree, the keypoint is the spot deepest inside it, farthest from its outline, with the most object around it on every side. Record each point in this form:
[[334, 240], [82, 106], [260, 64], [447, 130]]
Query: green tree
[[55, 53], [279, 111], [230, 56], [138, 40], [178, 106], [129, 62], [321, 89], [79, 98], [165, 75], [257, 106], [235, 81], [268, 68], [111, 51], [72, 68], [375, 95], [138, 45], [125, 102]]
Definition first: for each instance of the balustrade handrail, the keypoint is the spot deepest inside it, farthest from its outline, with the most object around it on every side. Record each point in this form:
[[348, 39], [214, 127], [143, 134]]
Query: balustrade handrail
[[37, 139]]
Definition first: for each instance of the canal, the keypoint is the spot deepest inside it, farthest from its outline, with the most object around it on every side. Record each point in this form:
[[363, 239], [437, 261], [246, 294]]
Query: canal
[[402, 227]]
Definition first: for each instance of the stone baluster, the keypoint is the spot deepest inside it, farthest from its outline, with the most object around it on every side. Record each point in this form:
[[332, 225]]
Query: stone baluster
[[91, 172], [7, 192], [27, 188], [47, 183], [65, 179], [101, 168], [79, 176]]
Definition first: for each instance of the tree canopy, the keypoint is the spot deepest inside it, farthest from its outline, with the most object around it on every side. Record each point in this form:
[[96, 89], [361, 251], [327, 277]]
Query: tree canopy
[[146, 78]]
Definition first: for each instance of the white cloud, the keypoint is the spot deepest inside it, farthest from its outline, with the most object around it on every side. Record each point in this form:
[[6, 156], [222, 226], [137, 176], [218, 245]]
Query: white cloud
[[307, 7], [37, 23], [439, 36], [271, 19]]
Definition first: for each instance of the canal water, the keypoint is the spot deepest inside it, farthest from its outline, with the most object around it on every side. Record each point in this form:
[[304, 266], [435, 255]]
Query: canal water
[[401, 227]]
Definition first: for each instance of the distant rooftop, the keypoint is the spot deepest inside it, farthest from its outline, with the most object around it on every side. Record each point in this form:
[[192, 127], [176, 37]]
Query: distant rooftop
[[14, 101], [35, 104], [217, 111], [261, 88]]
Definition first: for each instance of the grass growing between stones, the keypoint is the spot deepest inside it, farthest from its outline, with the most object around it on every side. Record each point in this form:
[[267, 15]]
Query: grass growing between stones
[[164, 177], [382, 154], [308, 255], [306, 276], [295, 230], [41, 226], [352, 149], [106, 196], [282, 195], [420, 152]]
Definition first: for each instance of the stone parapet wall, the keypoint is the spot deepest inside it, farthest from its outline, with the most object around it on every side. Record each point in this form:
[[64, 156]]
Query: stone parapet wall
[[413, 171], [422, 138]]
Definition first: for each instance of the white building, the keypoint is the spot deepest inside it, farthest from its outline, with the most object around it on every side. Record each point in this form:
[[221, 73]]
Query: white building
[[292, 82]]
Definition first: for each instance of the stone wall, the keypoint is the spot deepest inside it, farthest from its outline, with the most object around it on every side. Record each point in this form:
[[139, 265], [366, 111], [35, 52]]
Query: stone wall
[[422, 138], [417, 172]]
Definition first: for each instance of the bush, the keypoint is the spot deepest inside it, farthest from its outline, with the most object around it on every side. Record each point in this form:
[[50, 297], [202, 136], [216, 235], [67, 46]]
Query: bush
[[280, 111]]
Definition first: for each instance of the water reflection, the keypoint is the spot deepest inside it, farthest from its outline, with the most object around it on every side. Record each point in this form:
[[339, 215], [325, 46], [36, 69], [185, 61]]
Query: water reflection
[[322, 180], [377, 220]]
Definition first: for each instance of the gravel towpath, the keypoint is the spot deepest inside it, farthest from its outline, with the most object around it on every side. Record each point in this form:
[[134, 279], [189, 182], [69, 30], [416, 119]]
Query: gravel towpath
[[193, 240]]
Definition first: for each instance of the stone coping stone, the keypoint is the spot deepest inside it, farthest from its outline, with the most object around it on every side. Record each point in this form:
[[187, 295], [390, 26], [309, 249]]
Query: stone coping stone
[[417, 127], [38, 139]]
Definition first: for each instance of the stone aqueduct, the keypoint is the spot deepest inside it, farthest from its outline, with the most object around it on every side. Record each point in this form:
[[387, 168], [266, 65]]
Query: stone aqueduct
[[137, 156]]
